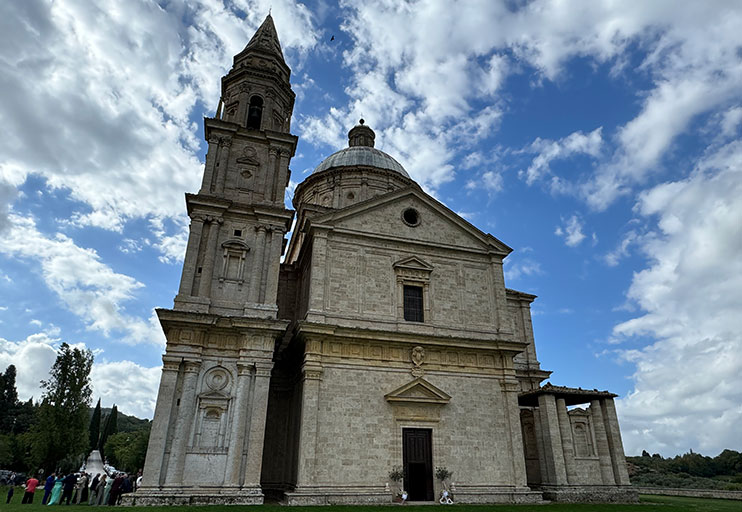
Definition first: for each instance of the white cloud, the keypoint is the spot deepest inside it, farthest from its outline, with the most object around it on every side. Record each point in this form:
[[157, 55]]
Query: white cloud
[[687, 383], [133, 388], [576, 143], [32, 357], [89, 288], [97, 97], [622, 250], [571, 231], [520, 268]]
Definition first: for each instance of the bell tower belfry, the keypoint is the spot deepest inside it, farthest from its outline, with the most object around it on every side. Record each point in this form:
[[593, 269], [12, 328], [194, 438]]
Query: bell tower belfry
[[206, 442], [238, 219]]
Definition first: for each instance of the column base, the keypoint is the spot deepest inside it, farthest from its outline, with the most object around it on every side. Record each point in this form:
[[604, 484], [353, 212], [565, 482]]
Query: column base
[[164, 496], [590, 493]]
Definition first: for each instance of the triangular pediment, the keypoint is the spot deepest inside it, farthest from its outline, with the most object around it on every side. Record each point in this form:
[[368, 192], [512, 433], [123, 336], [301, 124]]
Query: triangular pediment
[[413, 263], [418, 391], [382, 216]]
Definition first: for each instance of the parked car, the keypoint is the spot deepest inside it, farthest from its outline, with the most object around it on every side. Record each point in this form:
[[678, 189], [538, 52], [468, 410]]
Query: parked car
[[6, 477]]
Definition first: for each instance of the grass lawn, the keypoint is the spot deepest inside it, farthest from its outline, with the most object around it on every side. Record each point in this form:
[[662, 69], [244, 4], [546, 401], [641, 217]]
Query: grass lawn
[[648, 504]]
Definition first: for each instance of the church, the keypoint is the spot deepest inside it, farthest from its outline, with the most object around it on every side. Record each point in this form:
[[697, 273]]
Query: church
[[380, 338]]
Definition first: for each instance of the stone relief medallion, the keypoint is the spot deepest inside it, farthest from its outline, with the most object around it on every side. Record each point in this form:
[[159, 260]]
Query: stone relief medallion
[[217, 378], [417, 355]]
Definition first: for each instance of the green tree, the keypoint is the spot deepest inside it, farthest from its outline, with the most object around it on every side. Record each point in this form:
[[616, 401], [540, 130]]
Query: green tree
[[94, 428], [126, 450], [110, 428], [61, 430], [8, 400]]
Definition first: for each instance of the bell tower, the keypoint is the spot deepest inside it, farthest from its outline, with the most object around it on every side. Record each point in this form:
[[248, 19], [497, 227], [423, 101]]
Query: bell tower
[[238, 219], [206, 442]]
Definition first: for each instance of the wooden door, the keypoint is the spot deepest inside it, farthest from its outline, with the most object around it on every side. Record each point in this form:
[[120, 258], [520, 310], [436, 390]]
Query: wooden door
[[417, 448]]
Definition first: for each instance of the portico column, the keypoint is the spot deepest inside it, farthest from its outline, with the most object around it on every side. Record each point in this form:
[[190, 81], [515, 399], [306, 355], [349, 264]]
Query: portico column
[[184, 418], [256, 429], [239, 428], [553, 451], [615, 444], [189, 265], [601, 440], [153, 464], [565, 429], [207, 270]]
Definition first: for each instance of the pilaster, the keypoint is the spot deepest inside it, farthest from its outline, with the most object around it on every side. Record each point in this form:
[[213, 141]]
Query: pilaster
[[257, 272], [184, 421], [256, 430], [237, 438], [207, 267], [153, 464], [189, 265]]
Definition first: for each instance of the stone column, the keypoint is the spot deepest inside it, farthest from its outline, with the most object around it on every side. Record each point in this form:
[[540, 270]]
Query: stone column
[[189, 265], [185, 417], [256, 428], [553, 452], [512, 417], [615, 444], [153, 464], [207, 268], [238, 428], [601, 441], [538, 433], [565, 430], [257, 266]]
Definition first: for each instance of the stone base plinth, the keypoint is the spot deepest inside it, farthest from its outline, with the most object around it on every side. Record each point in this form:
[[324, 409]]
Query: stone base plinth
[[192, 496], [590, 494], [495, 494], [321, 495]]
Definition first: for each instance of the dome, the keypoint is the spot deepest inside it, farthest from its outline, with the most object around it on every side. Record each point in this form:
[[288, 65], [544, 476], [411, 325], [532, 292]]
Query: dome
[[361, 152], [361, 155]]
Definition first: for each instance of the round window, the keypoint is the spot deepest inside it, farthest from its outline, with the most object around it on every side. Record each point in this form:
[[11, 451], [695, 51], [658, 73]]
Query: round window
[[411, 217]]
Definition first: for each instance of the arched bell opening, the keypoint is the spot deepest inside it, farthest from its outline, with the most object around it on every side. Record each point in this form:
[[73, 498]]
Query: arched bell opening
[[255, 113]]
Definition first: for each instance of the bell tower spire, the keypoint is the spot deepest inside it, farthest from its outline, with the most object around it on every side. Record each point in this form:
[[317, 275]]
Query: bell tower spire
[[238, 218]]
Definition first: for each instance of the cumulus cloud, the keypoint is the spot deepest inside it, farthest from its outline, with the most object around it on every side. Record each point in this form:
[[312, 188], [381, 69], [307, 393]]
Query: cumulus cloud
[[576, 143], [687, 382], [89, 288], [133, 388], [571, 231], [32, 357]]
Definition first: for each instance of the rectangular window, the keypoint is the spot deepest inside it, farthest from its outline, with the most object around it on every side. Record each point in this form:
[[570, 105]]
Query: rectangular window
[[413, 303]]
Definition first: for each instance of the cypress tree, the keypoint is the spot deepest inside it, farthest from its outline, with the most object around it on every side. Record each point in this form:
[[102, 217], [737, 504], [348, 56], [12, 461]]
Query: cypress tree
[[111, 427], [94, 428]]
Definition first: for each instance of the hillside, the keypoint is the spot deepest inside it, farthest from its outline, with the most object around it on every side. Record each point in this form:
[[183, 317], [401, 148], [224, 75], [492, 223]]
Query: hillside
[[690, 470]]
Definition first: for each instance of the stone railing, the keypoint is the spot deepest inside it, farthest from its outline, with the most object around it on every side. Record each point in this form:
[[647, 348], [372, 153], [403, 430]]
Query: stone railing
[[691, 493]]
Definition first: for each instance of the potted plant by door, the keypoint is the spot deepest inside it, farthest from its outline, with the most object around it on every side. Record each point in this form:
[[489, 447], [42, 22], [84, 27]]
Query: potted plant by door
[[396, 475], [443, 474]]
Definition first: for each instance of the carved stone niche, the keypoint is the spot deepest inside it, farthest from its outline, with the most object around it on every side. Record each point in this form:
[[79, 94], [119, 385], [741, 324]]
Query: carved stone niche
[[582, 432], [247, 167], [417, 400], [233, 265], [213, 409]]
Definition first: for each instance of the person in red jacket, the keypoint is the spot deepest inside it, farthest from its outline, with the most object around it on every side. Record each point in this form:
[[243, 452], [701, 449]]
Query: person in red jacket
[[31, 485]]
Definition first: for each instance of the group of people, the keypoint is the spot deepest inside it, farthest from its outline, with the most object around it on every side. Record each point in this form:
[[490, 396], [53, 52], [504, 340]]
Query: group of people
[[78, 488]]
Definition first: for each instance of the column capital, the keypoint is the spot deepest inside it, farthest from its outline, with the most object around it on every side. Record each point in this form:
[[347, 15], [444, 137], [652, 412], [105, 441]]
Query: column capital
[[170, 363], [191, 366]]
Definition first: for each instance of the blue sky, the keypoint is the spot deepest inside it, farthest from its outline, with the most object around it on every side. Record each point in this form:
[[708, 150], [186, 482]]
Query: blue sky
[[600, 140]]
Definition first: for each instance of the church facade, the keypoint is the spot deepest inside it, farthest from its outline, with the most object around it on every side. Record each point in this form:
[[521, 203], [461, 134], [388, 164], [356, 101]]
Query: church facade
[[386, 338]]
